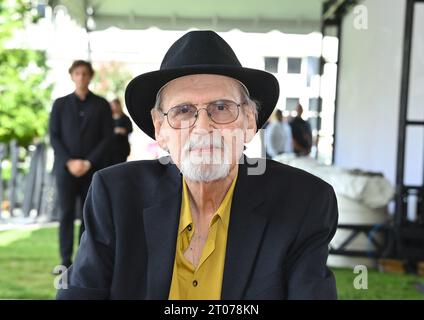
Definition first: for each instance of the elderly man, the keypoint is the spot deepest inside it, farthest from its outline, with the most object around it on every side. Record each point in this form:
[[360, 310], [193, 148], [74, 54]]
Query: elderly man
[[203, 224]]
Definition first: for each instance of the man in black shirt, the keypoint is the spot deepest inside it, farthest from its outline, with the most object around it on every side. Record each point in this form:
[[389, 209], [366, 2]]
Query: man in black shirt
[[302, 134], [80, 132]]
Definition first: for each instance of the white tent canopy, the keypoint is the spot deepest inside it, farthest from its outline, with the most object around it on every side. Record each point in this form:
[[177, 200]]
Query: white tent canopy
[[288, 16]]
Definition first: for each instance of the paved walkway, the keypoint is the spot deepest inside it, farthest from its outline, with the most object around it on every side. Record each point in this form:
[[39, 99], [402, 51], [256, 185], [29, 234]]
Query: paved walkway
[[25, 223]]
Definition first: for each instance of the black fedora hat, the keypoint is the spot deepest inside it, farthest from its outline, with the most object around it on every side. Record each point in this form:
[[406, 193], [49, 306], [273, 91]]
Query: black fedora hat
[[198, 52]]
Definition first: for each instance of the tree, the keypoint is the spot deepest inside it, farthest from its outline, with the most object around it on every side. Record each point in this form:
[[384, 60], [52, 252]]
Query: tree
[[110, 79], [24, 93]]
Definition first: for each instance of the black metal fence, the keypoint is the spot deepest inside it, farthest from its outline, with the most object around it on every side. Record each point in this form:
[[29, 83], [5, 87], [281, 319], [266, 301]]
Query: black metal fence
[[29, 190]]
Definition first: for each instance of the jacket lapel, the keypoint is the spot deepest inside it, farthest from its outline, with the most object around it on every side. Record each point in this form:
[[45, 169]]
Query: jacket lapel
[[161, 226], [74, 111], [247, 224]]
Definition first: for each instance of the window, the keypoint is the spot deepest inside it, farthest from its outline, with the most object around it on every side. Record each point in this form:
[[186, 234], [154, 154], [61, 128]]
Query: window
[[314, 104], [294, 65], [291, 104], [271, 64], [315, 123], [313, 69]]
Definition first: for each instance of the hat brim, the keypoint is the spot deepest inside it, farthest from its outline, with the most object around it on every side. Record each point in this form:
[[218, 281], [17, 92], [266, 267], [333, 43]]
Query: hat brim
[[140, 94]]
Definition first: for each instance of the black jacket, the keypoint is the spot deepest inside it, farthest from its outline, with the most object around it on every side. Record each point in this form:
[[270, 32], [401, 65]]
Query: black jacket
[[120, 148], [72, 138], [281, 223]]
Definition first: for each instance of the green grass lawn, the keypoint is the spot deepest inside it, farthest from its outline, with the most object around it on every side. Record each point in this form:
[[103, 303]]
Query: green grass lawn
[[28, 256]]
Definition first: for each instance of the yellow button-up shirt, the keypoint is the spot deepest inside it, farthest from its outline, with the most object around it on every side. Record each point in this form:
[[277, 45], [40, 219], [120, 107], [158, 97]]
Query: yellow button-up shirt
[[205, 281]]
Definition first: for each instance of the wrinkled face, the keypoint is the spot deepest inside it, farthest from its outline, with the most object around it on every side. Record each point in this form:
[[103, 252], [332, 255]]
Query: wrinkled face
[[206, 150], [81, 76]]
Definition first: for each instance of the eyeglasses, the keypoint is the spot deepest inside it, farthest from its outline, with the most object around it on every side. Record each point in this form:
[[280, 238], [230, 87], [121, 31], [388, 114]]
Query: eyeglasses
[[185, 115]]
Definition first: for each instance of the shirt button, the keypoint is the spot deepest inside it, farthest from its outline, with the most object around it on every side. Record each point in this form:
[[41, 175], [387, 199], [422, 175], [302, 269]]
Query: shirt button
[[194, 283], [189, 227]]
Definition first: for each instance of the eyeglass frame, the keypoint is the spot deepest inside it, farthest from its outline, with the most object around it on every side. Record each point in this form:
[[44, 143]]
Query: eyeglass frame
[[196, 115]]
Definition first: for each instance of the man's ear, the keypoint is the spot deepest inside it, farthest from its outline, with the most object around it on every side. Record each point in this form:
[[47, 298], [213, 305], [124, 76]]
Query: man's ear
[[251, 125], [157, 119]]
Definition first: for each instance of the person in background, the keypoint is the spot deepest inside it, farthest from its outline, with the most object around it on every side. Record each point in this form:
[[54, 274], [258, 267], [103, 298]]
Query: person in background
[[278, 136], [120, 148], [302, 134], [80, 129]]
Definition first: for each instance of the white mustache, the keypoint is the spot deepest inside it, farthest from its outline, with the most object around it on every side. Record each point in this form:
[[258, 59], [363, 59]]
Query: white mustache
[[205, 166], [203, 142]]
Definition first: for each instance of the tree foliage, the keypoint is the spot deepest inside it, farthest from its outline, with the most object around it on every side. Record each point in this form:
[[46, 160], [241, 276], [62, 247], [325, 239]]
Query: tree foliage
[[110, 79], [24, 93]]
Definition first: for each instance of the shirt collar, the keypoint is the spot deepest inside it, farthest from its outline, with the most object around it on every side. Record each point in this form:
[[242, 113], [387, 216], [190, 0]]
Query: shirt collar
[[186, 218], [86, 97]]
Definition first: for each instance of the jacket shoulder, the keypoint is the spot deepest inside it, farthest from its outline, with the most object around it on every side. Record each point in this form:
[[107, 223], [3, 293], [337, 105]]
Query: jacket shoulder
[[142, 170], [62, 100], [100, 100]]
